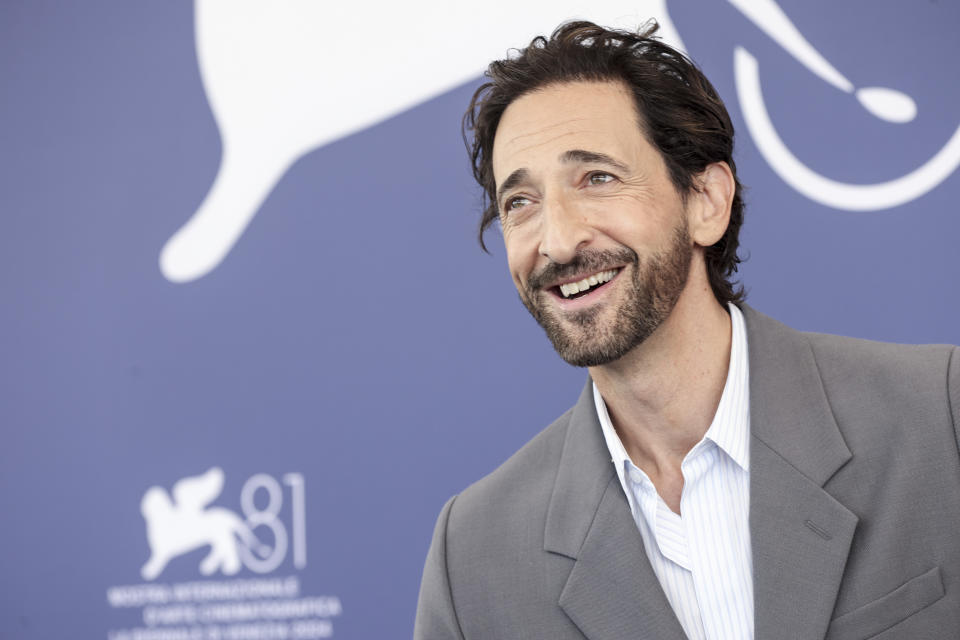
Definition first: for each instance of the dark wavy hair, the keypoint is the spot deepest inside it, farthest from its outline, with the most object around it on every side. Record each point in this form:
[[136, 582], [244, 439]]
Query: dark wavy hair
[[679, 113]]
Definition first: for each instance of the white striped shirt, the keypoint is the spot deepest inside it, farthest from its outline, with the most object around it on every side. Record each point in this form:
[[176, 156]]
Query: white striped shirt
[[702, 559]]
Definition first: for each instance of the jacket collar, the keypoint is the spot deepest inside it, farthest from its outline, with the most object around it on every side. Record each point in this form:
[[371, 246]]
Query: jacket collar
[[789, 410], [612, 591], [799, 533]]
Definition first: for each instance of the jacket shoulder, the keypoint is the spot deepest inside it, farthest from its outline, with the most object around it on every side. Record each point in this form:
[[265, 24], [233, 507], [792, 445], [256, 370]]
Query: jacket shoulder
[[486, 574], [879, 383], [517, 488], [890, 367]]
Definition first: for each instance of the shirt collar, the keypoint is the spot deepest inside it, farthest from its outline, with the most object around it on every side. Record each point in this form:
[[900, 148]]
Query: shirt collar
[[617, 453], [730, 429]]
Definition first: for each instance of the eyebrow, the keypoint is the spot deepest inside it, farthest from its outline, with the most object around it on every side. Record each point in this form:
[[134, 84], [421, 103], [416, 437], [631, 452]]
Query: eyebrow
[[587, 157], [515, 178], [570, 156]]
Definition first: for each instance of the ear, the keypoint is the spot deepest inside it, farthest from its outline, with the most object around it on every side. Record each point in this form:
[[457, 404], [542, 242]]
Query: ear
[[708, 207]]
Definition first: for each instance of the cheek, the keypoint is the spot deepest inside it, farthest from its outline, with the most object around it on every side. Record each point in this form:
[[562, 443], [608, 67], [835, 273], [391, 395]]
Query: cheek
[[518, 271], [642, 227], [520, 263]]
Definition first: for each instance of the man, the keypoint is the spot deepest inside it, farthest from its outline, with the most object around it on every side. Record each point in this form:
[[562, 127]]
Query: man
[[764, 483]]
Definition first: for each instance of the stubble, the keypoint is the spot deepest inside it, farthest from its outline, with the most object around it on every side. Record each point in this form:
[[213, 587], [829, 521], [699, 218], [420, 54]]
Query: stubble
[[595, 336]]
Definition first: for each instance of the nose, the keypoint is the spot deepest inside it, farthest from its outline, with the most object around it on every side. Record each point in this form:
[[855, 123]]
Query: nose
[[564, 230]]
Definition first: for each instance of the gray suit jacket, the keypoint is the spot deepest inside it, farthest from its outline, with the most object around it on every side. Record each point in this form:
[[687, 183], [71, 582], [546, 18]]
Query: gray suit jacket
[[854, 511]]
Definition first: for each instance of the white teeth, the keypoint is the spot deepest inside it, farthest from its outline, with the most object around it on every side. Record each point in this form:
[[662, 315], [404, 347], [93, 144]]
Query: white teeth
[[590, 281]]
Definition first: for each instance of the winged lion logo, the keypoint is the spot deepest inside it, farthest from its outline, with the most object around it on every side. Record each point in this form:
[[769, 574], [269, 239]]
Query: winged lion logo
[[186, 523]]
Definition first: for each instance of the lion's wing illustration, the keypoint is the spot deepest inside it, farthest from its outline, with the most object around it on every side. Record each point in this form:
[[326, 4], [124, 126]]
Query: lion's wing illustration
[[196, 492]]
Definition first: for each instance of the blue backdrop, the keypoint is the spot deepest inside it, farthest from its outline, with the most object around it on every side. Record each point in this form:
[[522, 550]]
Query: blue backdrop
[[355, 359]]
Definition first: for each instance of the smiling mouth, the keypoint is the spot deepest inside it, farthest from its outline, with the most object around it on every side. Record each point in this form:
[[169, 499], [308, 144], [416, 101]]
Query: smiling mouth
[[580, 288]]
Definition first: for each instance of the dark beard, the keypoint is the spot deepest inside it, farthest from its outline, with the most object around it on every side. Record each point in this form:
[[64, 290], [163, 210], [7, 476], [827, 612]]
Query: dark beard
[[579, 338]]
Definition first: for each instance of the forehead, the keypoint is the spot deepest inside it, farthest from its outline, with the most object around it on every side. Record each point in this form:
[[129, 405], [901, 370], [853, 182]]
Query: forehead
[[541, 125]]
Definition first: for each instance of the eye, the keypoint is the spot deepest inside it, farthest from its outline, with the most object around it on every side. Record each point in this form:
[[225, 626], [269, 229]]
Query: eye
[[512, 204], [599, 177]]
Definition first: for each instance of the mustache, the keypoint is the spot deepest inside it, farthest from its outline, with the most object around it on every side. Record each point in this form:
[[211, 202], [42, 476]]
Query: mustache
[[584, 261]]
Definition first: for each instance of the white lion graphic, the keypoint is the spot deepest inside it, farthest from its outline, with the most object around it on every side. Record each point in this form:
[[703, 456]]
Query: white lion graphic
[[180, 526], [275, 77]]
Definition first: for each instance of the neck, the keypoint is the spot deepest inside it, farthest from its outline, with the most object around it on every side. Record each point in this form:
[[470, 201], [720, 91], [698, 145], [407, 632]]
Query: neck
[[662, 396]]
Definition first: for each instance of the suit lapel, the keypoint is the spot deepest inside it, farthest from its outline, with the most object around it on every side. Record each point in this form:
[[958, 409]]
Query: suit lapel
[[800, 535], [612, 591]]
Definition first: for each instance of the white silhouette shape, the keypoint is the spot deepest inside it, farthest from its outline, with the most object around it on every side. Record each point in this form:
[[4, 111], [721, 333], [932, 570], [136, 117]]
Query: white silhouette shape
[[887, 104], [840, 195], [175, 528], [284, 78]]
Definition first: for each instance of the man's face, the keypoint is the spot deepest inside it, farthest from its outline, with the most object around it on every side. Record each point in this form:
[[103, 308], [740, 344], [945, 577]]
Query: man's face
[[596, 234]]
